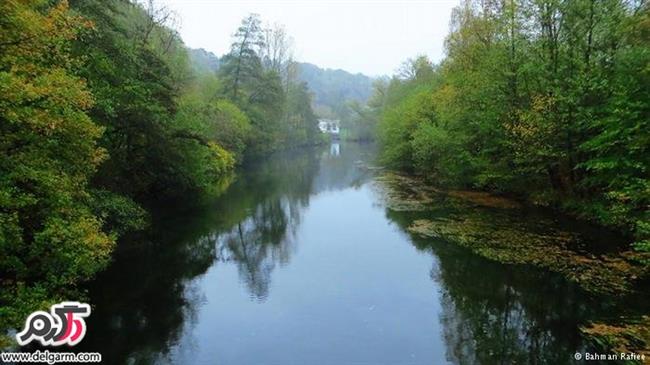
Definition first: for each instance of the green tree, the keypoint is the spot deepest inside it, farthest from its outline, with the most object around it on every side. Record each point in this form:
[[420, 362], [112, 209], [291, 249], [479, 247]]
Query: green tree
[[242, 65], [547, 99], [137, 68], [49, 238], [257, 76]]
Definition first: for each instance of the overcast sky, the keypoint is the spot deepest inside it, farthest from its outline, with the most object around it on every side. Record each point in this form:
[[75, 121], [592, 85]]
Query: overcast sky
[[372, 37]]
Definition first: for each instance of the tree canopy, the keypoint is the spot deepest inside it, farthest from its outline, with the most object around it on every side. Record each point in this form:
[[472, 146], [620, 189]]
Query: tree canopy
[[104, 115], [545, 99]]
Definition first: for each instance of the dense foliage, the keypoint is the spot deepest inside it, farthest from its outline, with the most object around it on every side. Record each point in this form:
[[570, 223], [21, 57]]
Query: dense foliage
[[102, 115], [337, 94], [49, 236], [548, 99], [258, 77]]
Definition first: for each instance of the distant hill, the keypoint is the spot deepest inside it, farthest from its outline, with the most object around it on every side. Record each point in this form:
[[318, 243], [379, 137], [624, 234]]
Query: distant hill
[[202, 60], [334, 88]]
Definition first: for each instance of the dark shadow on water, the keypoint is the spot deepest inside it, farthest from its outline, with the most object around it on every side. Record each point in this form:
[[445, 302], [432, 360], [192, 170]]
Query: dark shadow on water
[[506, 314], [143, 301], [490, 313]]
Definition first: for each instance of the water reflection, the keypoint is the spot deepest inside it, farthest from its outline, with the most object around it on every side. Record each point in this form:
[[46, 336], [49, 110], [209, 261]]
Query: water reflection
[[493, 313], [335, 149], [281, 189], [259, 242], [344, 166], [500, 322], [329, 276], [145, 300]]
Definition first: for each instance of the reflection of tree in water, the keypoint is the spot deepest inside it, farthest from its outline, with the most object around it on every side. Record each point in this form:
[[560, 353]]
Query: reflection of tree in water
[[143, 302], [504, 314], [498, 322], [276, 194], [266, 204], [258, 242], [147, 300]]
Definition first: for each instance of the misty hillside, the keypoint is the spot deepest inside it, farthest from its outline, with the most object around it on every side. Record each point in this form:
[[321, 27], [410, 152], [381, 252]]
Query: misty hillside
[[202, 60], [333, 88]]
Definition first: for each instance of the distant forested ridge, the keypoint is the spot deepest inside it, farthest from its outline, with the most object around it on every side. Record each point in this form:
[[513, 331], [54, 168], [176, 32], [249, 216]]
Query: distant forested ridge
[[546, 99], [334, 89], [202, 60], [104, 113]]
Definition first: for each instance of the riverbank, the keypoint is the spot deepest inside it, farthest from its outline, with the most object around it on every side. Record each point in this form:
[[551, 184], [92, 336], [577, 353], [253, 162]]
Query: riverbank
[[510, 232]]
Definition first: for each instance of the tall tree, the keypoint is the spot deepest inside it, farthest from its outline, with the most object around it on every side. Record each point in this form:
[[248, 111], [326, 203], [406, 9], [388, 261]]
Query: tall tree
[[49, 237], [243, 64]]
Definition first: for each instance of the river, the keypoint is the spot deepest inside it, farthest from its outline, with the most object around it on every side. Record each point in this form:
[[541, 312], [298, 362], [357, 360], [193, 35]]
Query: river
[[301, 262]]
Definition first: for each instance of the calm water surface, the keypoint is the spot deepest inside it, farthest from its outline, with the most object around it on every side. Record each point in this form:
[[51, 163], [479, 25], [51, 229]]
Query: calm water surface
[[300, 262]]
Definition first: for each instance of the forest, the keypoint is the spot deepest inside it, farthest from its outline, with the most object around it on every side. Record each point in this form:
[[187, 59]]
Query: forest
[[545, 100], [541, 108], [104, 117]]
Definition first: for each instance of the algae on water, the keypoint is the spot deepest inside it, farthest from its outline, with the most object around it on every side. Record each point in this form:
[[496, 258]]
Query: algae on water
[[496, 228], [631, 335], [513, 244]]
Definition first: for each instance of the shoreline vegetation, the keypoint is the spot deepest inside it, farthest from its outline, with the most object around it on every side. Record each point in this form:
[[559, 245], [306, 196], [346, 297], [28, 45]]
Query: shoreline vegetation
[[544, 100], [104, 114]]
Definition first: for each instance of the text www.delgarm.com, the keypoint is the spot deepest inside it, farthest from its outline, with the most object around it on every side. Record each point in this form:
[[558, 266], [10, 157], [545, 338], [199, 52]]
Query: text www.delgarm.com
[[50, 357]]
